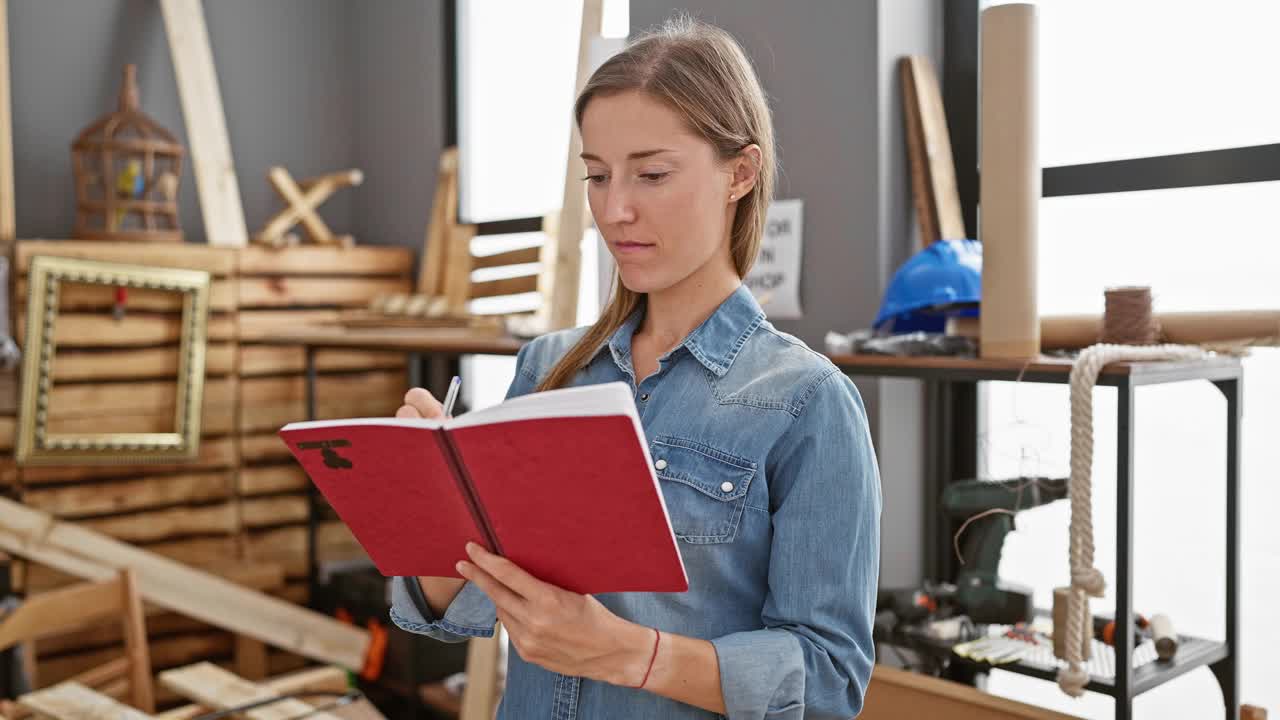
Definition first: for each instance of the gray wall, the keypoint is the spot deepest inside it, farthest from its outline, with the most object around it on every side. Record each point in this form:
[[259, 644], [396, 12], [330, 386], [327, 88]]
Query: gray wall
[[829, 67], [313, 85]]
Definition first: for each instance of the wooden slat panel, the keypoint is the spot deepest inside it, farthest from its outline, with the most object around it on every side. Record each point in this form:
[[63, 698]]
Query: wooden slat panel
[[275, 292], [214, 453], [264, 324], [265, 512], [311, 260], [116, 496], [155, 525], [135, 329], [136, 364], [74, 296], [274, 360], [523, 256], [73, 701], [505, 286], [287, 546], [218, 261], [165, 653], [262, 418], [277, 390], [259, 576], [214, 687], [263, 448], [94, 399], [272, 479], [215, 420]]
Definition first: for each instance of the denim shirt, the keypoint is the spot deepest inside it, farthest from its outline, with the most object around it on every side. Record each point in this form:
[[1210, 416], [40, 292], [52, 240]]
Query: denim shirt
[[762, 451]]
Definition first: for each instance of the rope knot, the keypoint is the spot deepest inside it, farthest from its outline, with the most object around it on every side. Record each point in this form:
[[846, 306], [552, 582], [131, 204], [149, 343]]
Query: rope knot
[[1090, 581], [1072, 679]]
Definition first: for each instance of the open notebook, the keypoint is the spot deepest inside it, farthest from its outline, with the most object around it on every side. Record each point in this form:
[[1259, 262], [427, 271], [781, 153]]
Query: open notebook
[[560, 482]]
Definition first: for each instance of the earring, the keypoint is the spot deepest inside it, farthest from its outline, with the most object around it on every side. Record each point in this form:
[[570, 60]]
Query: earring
[[732, 197]]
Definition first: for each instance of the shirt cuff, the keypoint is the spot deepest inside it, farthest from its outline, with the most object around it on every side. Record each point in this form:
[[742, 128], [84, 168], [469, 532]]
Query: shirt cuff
[[471, 614], [761, 675]]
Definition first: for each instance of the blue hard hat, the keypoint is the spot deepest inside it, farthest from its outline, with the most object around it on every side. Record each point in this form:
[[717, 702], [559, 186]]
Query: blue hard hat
[[943, 280]]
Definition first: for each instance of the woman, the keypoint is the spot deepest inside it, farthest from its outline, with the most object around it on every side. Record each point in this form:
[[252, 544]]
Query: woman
[[777, 505]]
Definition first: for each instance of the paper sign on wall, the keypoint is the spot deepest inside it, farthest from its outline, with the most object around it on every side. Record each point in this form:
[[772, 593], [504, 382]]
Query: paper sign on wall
[[775, 278]]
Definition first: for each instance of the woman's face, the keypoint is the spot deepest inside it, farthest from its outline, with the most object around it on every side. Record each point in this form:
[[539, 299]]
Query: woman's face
[[659, 194]]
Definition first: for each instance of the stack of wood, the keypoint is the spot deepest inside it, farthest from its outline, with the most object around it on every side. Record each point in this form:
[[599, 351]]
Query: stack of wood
[[240, 509], [281, 290]]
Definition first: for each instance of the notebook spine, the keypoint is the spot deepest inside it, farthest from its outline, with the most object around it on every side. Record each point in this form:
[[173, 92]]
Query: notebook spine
[[462, 478]]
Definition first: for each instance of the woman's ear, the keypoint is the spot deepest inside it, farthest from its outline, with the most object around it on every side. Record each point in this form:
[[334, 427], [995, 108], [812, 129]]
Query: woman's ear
[[745, 168]]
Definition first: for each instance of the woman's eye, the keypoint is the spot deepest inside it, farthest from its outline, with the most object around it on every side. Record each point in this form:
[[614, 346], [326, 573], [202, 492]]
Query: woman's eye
[[653, 177], [596, 179]]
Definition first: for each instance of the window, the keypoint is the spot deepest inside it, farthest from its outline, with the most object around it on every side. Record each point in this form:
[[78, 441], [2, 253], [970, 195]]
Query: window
[[516, 62], [1121, 82]]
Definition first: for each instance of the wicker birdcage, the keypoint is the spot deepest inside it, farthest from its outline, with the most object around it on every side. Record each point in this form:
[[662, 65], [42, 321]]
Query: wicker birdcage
[[127, 168]]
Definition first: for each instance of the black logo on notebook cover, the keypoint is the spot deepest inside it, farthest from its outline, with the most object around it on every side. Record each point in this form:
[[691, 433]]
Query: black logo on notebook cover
[[331, 457]]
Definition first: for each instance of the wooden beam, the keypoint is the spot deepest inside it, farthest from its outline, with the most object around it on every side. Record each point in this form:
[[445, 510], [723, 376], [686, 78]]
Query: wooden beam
[[320, 260], [131, 494], [7, 205], [210, 685], [215, 261], [505, 286], [522, 256], [39, 537], [214, 454], [280, 359], [211, 162], [85, 330], [59, 611], [933, 174], [285, 291], [137, 363], [77, 296], [322, 679], [73, 701]]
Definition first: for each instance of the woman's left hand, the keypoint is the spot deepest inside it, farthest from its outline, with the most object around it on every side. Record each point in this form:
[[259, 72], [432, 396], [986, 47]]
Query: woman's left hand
[[557, 629]]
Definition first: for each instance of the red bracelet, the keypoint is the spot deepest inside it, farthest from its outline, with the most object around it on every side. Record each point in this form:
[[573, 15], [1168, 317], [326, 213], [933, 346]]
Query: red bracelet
[[656, 638]]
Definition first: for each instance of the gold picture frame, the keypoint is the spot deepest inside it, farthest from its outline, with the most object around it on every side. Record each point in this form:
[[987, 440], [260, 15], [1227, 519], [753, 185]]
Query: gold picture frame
[[35, 445]]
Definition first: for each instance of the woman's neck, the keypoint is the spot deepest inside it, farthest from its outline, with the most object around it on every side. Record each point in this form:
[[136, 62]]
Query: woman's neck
[[673, 313]]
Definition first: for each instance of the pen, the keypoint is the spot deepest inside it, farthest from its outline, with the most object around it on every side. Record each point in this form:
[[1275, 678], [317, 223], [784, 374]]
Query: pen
[[451, 396]]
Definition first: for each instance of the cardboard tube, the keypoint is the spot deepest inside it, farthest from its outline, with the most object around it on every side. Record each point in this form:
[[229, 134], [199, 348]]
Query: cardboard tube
[[1068, 332], [1010, 182], [1166, 639]]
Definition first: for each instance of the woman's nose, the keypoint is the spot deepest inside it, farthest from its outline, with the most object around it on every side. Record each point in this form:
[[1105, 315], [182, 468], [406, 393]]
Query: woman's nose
[[617, 206]]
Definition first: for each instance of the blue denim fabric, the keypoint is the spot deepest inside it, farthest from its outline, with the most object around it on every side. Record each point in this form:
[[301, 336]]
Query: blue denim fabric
[[774, 495]]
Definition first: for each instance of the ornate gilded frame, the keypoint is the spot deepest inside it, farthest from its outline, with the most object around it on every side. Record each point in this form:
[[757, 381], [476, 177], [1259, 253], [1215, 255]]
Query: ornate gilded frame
[[35, 445]]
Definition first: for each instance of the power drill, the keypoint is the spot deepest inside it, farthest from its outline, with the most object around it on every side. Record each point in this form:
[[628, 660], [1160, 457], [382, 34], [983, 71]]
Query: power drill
[[979, 591]]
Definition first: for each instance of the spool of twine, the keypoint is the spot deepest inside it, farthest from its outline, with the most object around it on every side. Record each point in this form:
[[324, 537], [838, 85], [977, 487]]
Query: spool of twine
[[1128, 319]]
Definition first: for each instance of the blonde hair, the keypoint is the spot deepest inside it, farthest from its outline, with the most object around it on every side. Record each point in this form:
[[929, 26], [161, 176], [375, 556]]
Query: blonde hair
[[700, 72]]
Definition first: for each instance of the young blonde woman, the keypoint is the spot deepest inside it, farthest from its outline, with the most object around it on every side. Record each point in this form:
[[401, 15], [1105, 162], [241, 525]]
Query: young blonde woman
[[760, 445]]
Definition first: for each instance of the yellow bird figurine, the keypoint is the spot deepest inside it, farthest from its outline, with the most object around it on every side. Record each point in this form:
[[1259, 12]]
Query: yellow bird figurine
[[129, 184]]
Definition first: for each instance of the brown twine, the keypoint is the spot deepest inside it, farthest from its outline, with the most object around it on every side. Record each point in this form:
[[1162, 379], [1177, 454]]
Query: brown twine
[[1128, 319]]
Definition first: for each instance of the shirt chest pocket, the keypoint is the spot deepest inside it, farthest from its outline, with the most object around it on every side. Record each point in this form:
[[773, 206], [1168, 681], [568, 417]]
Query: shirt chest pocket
[[705, 489]]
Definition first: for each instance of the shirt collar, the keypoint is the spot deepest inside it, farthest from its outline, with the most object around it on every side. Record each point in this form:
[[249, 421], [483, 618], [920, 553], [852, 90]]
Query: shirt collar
[[715, 343]]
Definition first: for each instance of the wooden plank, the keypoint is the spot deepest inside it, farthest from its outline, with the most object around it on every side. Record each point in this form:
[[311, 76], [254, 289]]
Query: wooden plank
[[444, 215], [165, 653], [86, 330], [278, 390], [263, 448], [131, 494], [215, 420], [101, 635], [59, 611], [7, 204], [271, 479], [270, 511], [522, 256], [211, 162], [73, 701], [156, 525], [937, 146], [322, 679], [313, 260], [75, 297], [505, 286], [37, 536], [257, 325], [8, 430], [279, 291], [895, 693], [275, 360], [480, 696], [260, 418], [214, 687], [138, 363], [287, 546], [267, 577], [94, 399], [214, 453], [250, 658], [191, 256], [921, 189]]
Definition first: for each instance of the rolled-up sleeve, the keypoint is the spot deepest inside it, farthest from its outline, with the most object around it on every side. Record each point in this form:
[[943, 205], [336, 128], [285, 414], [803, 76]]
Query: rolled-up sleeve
[[814, 655], [471, 613]]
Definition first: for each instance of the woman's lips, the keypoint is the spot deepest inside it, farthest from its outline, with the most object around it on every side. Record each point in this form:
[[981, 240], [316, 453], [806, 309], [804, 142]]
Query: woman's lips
[[629, 248]]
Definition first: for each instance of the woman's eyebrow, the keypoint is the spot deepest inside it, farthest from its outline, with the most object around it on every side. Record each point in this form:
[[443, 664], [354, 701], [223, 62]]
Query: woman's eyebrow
[[640, 155]]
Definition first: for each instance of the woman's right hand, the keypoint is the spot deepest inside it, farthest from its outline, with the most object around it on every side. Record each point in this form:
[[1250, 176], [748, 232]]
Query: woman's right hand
[[440, 591]]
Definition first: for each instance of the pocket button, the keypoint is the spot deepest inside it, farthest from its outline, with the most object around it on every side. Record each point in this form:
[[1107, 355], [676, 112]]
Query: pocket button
[[661, 464], [726, 486]]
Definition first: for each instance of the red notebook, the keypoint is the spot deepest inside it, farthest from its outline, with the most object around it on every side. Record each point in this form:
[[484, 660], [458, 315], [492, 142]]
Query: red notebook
[[560, 482]]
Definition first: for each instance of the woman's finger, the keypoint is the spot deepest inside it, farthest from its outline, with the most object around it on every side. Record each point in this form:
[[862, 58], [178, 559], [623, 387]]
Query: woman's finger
[[424, 402], [509, 574], [408, 412], [502, 596]]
